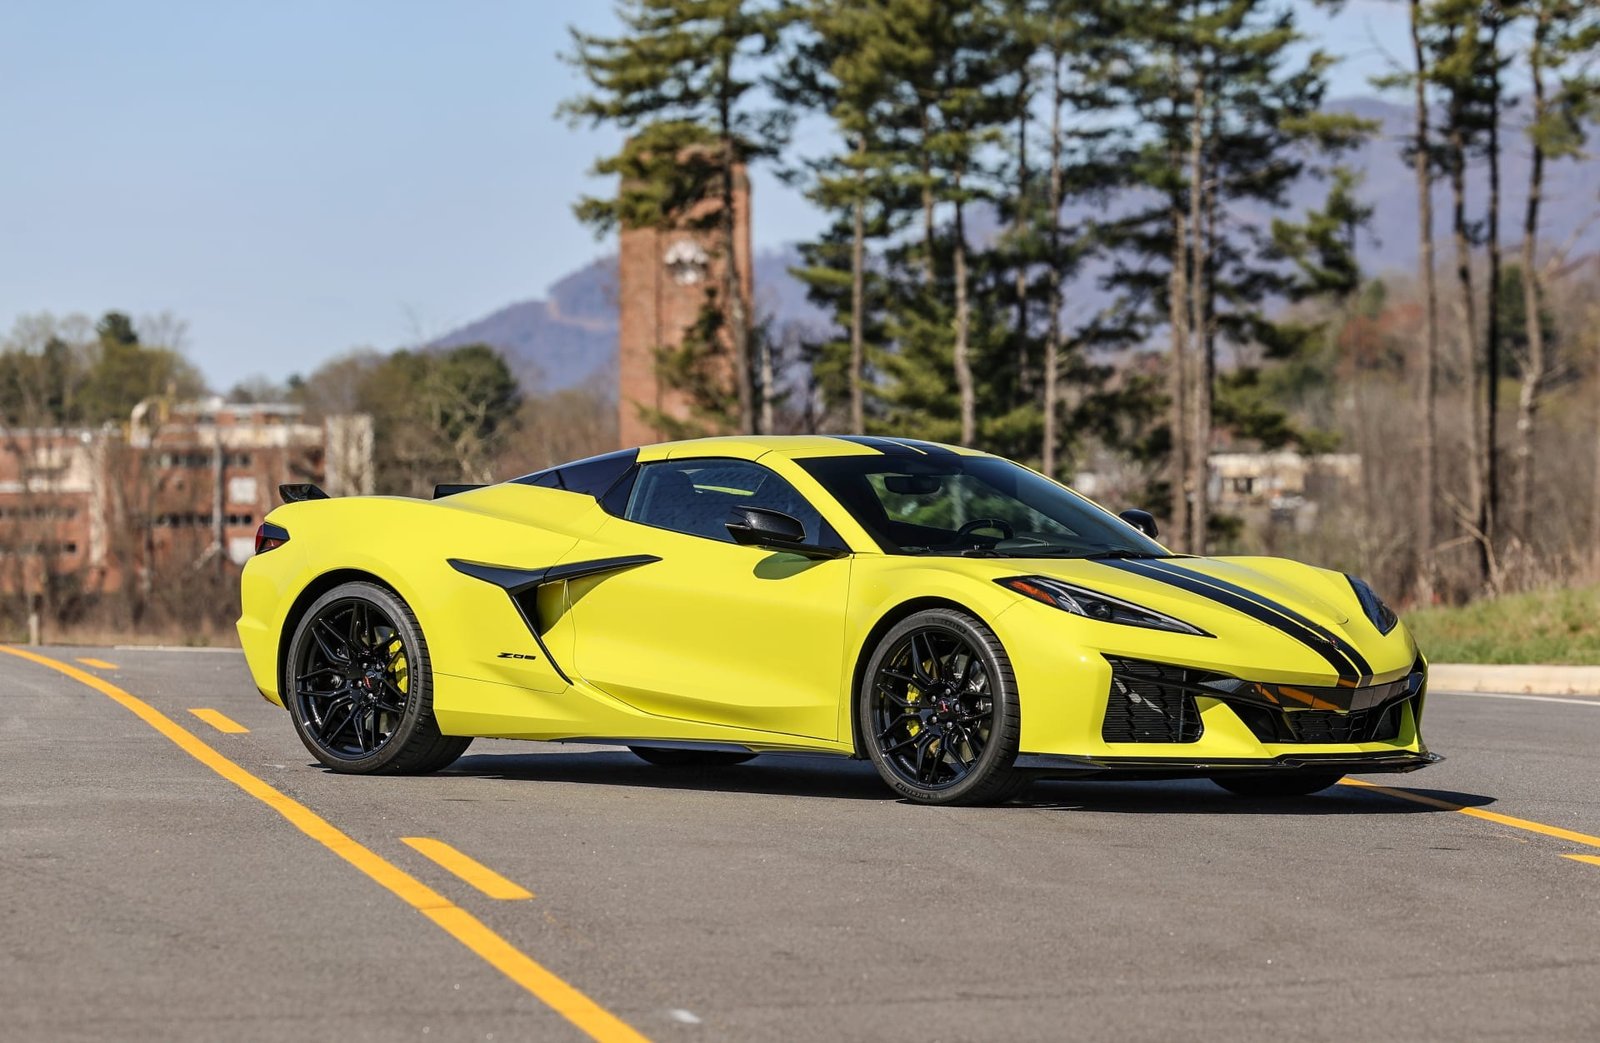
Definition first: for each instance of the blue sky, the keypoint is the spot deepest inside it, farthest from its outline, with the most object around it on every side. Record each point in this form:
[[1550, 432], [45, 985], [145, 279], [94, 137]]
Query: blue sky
[[298, 178]]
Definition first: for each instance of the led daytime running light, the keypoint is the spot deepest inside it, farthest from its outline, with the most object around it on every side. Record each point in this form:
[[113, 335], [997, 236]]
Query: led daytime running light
[[1096, 606]]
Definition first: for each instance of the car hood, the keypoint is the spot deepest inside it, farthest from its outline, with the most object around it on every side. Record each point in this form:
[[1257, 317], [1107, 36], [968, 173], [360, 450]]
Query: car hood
[[1178, 586]]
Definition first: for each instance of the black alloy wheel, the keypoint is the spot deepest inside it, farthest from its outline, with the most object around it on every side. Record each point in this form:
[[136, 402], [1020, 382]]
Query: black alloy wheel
[[939, 711], [359, 687]]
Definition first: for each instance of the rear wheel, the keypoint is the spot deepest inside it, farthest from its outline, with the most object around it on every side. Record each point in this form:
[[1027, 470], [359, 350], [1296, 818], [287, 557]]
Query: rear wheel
[[671, 758], [939, 711], [359, 686], [1297, 783]]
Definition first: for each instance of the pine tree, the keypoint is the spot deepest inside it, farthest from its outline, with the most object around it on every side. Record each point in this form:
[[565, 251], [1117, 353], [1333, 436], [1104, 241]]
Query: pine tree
[[1422, 154], [1564, 33], [941, 53], [835, 67], [678, 81], [1464, 67], [1428, 370], [1229, 117], [1075, 53]]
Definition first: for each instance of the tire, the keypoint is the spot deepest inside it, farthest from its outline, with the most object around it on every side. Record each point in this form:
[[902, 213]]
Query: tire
[[668, 758], [1296, 783], [938, 711], [359, 686]]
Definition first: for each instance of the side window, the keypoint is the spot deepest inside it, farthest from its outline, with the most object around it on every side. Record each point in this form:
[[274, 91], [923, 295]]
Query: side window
[[695, 496]]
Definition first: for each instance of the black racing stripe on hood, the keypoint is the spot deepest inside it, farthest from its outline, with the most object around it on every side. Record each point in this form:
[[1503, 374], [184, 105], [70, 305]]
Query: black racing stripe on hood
[[1356, 658], [1342, 665]]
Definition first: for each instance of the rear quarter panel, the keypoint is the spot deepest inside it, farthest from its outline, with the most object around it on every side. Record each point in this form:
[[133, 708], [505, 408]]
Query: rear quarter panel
[[406, 545]]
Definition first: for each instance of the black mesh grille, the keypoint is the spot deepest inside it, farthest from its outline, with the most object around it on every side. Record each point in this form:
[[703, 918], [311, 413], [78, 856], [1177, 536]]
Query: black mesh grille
[[1357, 726], [1376, 724], [1328, 726], [1149, 702]]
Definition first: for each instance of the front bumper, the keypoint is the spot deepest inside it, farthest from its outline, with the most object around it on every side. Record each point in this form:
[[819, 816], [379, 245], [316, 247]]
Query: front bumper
[[1152, 719]]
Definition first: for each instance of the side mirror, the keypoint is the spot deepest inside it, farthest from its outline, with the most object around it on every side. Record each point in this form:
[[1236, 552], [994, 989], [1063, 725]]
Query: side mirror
[[759, 527], [1144, 521]]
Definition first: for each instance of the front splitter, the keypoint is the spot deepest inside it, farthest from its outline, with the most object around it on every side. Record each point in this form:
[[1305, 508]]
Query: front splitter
[[1067, 766]]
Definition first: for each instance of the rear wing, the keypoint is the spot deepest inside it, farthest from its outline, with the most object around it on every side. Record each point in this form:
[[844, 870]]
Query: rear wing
[[299, 492]]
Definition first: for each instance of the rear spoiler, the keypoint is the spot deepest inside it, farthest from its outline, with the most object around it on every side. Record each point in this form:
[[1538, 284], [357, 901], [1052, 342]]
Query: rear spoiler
[[300, 492]]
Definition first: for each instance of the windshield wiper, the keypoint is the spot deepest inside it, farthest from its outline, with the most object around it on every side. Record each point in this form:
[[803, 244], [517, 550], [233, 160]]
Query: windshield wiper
[[1124, 555]]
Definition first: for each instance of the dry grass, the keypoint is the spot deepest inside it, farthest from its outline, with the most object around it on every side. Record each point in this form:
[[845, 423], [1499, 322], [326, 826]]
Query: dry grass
[[1559, 626]]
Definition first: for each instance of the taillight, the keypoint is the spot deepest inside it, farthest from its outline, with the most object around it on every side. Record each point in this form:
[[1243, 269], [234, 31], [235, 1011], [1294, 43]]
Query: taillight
[[270, 537]]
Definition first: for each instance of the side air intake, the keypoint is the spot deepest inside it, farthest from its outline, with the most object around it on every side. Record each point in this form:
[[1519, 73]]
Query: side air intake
[[1151, 702]]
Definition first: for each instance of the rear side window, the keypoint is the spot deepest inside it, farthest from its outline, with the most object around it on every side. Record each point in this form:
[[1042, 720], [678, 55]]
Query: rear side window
[[591, 477], [696, 496]]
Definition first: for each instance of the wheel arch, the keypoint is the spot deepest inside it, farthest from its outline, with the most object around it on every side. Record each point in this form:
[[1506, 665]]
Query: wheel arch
[[310, 593], [885, 623]]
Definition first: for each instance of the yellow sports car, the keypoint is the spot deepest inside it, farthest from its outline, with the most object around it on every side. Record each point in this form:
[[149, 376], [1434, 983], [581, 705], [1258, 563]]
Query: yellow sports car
[[962, 621]]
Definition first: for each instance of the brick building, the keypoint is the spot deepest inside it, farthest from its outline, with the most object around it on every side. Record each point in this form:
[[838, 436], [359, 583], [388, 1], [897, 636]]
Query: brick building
[[52, 504], [663, 279], [181, 486]]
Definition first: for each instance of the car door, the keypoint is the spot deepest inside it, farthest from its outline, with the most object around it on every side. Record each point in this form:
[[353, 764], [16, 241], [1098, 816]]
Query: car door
[[731, 635]]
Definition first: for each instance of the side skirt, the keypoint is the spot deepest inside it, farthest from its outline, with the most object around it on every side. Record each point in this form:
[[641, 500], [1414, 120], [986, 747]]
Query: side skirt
[[707, 747]]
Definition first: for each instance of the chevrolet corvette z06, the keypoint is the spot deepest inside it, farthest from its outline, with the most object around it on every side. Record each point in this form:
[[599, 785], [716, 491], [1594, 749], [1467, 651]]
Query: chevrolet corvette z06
[[958, 619]]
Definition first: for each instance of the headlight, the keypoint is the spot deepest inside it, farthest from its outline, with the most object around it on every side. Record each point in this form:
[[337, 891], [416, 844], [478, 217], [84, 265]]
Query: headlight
[[1092, 605], [1381, 615]]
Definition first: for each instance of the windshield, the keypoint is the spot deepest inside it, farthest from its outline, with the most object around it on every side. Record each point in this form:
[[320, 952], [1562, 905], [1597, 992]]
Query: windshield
[[973, 505]]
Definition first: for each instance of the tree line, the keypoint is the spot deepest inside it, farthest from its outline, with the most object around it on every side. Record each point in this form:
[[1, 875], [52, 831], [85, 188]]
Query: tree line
[[1463, 54], [1058, 231]]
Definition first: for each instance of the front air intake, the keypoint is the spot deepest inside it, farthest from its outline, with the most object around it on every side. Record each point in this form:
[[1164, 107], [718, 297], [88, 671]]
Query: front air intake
[[1151, 702]]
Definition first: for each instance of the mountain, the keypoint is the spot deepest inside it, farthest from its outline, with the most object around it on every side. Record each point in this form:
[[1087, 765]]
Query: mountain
[[567, 339], [1571, 206], [570, 337]]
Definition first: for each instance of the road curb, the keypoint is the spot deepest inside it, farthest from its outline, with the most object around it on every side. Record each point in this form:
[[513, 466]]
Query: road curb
[[1527, 679]]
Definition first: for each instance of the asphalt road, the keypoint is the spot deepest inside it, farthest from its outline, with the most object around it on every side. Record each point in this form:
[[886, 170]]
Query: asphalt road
[[143, 895]]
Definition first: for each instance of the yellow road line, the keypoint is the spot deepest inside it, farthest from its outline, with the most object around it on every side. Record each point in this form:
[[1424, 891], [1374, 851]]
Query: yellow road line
[[98, 664], [1488, 816], [1593, 860], [469, 869], [219, 721], [564, 999]]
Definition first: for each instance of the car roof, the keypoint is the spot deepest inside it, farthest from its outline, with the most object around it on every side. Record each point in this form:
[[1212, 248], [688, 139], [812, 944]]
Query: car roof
[[752, 447]]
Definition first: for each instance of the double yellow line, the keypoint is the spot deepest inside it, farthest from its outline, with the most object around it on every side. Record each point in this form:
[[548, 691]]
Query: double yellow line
[[564, 999]]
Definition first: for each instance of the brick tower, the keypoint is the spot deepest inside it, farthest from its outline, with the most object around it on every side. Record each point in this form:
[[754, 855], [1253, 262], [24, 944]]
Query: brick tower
[[662, 281]]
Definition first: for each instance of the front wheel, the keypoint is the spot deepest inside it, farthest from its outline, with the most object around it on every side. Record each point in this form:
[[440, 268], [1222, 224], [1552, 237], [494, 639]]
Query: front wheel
[[1295, 783], [359, 686], [939, 712]]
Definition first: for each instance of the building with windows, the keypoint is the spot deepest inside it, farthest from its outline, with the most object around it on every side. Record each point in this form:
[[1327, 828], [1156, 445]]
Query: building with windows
[[181, 486], [1282, 488]]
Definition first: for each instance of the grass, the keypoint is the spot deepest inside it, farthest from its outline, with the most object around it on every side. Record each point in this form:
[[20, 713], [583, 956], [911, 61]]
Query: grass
[[1560, 626]]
